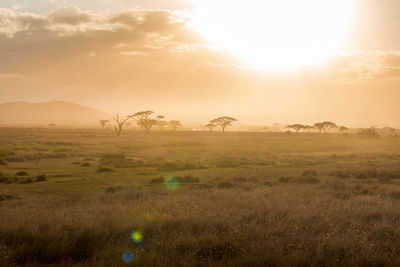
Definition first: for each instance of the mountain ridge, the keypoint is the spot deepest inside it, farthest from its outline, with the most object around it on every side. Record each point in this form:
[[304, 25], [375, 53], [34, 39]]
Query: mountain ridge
[[51, 112]]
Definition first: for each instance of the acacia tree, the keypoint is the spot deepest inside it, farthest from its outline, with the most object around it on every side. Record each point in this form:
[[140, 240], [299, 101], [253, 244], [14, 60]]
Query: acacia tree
[[223, 122], [174, 124], [308, 128], [147, 124], [103, 123], [297, 127], [328, 124], [211, 126], [120, 124], [143, 119], [161, 122], [343, 128], [320, 126]]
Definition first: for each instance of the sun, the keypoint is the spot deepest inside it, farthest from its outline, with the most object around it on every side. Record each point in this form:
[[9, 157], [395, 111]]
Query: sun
[[276, 34]]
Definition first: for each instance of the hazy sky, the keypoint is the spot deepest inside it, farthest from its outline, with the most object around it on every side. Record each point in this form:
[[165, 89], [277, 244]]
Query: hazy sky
[[125, 56]]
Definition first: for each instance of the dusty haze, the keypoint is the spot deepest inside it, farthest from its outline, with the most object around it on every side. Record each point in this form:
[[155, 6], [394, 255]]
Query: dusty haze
[[136, 55]]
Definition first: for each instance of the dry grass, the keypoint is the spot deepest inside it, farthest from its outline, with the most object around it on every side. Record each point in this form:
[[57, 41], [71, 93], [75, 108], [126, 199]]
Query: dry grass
[[259, 200]]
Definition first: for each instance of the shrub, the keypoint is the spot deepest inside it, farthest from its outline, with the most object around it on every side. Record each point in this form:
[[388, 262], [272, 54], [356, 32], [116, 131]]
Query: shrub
[[361, 176], [368, 133], [159, 180], [239, 179], [225, 185], [339, 174], [41, 178], [104, 169], [111, 189], [309, 173], [3, 160], [188, 179], [307, 180], [395, 195], [172, 166], [86, 164], [26, 181], [5, 197], [21, 173], [284, 179]]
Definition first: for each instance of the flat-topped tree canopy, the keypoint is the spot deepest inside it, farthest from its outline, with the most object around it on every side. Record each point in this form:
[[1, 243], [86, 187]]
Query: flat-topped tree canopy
[[141, 115], [223, 121]]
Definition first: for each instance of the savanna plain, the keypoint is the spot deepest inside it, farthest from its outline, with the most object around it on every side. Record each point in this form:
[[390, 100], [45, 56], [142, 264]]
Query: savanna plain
[[84, 197]]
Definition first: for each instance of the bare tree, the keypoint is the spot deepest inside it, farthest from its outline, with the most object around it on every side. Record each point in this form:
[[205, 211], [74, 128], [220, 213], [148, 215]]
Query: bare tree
[[103, 123], [174, 124], [211, 126], [120, 124], [223, 122], [297, 127]]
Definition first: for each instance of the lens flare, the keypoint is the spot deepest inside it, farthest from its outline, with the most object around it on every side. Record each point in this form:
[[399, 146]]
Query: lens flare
[[127, 257], [136, 237], [172, 183]]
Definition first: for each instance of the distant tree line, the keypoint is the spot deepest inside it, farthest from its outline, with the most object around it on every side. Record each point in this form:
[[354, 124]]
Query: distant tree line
[[144, 120], [323, 127]]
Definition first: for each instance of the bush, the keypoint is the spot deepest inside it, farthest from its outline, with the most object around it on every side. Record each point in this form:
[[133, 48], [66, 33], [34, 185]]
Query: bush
[[3, 161], [225, 185], [41, 178], [309, 173], [104, 169], [188, 179], [86, 164], [111, 189], [284, 179], [6, 197], [307, 180], [159, 180], [26, 181], [368, 133], [172, 166], [21, 173]]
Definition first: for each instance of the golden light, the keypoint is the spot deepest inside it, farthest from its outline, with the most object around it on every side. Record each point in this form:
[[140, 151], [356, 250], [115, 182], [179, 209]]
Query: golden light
[[276, 34]]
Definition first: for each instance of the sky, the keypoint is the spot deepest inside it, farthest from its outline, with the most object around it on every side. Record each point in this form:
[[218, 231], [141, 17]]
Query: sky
[[195, 60]]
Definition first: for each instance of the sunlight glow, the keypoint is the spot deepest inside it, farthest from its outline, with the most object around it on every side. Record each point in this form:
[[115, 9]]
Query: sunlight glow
[[276, 34]]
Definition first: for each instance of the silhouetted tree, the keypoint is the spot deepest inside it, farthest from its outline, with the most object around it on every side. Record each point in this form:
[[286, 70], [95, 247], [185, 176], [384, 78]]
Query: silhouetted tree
[[120, 124], [308, 128], [223, 122], [368, 133], [141, 115], [147, 124], [343, 128], [328, 124], [103, 123], [297, 127], [161, 122], [143, 119], [174, 124], [211, 126], [320, 126]]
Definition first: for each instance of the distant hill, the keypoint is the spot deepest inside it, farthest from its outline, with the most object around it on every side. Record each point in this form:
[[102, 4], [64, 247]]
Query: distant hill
[[56, 112]]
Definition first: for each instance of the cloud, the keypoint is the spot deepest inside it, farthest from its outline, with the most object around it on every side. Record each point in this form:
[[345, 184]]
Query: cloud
[[68, 15], [363, 65]]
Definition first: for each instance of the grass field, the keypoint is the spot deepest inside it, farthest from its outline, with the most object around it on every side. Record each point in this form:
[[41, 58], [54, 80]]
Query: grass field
[[88, 198]]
